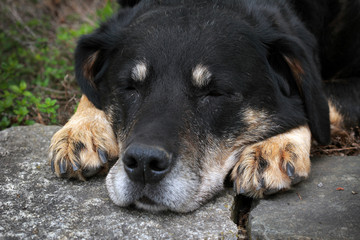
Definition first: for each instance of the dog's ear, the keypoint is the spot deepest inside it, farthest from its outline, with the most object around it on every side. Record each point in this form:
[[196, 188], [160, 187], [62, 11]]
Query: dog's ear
[[91, 60], [93, 53], [297, 64], [128, 3]]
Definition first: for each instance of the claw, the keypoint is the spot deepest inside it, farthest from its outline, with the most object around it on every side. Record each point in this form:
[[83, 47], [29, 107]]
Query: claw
[[290, 170], [52, 165], [261, 184], [102, 156], [62, 166], [75, 166], [234, 187]]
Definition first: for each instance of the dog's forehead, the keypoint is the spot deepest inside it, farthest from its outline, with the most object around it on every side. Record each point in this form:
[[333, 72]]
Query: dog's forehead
[[165, 31], [200, 50]]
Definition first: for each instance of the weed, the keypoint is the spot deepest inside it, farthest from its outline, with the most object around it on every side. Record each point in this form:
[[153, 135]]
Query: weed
[[37, 82], [19, 105]]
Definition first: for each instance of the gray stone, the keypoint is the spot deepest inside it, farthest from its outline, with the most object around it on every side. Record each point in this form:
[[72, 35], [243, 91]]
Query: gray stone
[[310, 211], [34, 204]]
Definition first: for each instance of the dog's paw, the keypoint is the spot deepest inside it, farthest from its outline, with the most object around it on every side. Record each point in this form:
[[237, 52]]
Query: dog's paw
[[273, 164], [83, 147]]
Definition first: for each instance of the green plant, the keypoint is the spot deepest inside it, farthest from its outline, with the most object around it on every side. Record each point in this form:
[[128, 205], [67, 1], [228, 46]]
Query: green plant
[[105, 12], [36, 63], [19, 105]]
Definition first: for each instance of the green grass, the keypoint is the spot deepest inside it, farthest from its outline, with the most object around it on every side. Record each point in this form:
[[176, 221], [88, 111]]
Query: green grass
[[37, 69]]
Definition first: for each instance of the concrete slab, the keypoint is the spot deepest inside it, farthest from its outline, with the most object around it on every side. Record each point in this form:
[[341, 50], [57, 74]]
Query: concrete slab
[[317, 208], [34, 204]]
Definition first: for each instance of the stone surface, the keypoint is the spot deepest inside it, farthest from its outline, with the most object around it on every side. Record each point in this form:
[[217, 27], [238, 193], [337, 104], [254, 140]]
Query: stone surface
[[314, 209], [34, 204]]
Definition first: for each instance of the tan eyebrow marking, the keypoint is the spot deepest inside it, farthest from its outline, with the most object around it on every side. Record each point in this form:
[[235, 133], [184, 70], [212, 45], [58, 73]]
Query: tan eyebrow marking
[[139, 72], [201, 76]]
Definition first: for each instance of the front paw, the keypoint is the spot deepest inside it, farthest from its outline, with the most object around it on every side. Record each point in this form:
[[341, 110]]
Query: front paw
[[273, 164], [83, 146]]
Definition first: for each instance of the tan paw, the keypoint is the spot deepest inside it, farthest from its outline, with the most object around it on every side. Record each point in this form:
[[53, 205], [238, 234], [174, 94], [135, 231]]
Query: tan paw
[[273, 164], [84, 145]]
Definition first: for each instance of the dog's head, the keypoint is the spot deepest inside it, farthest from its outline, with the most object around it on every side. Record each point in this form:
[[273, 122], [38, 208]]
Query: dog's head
[[186, 88]]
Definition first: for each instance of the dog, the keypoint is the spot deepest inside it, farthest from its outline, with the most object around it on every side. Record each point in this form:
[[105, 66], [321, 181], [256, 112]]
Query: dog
[[185, 94]]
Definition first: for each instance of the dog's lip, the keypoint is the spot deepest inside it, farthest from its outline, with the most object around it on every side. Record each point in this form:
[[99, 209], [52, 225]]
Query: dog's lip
[[148, 204], [147, 201]]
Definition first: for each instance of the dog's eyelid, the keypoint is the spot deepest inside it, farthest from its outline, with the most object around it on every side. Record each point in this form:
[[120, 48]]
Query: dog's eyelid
[[131, 88], [212, 93], [216, 93], [126, 83]]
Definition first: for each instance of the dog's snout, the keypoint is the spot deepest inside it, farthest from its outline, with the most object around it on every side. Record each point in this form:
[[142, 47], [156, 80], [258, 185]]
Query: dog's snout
[[146, 164]]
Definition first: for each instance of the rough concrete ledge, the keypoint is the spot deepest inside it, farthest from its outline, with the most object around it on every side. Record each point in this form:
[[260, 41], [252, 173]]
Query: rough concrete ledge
[[34, 204], [315, 209]]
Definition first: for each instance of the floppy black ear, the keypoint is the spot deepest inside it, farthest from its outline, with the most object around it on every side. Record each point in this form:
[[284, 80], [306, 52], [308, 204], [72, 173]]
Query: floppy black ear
[[130, 3], [93, 53], [91, 60], [297, 63]]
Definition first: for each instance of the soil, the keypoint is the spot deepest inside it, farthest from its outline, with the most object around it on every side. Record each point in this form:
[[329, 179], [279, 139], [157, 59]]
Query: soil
[[343, 143]]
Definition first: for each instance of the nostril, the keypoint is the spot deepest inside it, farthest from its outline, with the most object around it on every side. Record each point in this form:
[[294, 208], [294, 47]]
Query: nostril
[[131, 162], [133, 167], [158, 165]]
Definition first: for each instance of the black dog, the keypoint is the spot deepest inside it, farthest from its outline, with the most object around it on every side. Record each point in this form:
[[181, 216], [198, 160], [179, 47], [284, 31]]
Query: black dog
[[185, 93]]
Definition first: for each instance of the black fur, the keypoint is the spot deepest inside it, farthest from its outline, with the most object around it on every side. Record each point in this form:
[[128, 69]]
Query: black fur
[[246, 44]]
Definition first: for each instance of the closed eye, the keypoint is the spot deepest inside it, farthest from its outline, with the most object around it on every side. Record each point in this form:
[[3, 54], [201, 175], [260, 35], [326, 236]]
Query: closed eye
[[126, 84], [220, 96], [214, 94], [130, 88], [211, 97]]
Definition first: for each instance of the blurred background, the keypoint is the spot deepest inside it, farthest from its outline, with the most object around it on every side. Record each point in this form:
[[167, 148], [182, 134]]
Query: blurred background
[[37, 42]]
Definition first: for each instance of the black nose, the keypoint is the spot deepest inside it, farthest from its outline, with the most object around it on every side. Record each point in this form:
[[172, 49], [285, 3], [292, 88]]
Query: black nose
[[146, 164]]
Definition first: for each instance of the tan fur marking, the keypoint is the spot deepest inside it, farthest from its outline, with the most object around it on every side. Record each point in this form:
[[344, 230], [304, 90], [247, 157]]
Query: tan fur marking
[[336, 120], [255, 118], [88, 68], [90, 127], [139, 72], [259, 124], [297, 71], [291, 147], [201, 76], [295, 66]]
